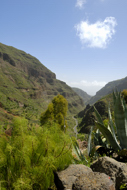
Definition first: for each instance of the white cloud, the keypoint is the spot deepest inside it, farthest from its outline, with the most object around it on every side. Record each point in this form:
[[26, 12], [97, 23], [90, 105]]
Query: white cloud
[[89, 87], [80, 3], [90, 84], [98, 34]]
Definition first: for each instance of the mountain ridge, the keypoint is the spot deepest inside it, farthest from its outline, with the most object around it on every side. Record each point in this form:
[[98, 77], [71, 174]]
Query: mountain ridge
[[119, 85], [26, 85]]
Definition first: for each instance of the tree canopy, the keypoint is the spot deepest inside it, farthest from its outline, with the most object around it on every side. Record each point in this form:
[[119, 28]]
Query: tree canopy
[[56, 111]]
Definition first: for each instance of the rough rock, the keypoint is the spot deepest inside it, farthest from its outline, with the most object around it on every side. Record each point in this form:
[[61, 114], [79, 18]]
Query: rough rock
[[116, 170], [82, 145], [65, 179], [93, 181], [88, 119]]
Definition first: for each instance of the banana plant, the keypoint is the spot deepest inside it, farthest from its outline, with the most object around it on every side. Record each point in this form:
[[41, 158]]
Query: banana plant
[[120, 115]]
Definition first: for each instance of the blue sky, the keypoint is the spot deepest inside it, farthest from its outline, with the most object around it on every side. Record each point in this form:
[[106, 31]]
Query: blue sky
[[84, 42]]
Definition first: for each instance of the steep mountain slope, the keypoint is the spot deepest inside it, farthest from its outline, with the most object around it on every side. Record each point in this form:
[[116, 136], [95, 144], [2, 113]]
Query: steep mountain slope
[[27, 86], [82, 94], [108, 88]]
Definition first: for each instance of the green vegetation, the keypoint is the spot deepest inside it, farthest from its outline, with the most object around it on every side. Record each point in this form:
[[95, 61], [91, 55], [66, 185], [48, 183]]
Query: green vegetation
[[86, 117], [56, 111], [31, 154], [114, 130], [79, 157], [35, 107], [27, 86], [123, 186]]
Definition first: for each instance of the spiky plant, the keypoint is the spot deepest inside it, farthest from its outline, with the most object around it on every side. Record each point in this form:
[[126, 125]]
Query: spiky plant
[[117, 139]]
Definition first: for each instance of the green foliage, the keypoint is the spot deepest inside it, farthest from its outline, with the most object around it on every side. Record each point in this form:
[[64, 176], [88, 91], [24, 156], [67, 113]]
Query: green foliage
[[29, 157], [79, 158], [27, 86], [123, 186], [108, 133], [120, 116], [124, 94], [97, 144], [60, 105], [56, 111], [82, 136]]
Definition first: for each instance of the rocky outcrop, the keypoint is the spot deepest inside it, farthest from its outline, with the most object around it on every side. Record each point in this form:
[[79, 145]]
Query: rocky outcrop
[[104, 174], [65, 179], [88, 119], [93, 181], [81, 177], [7, 58], [116, 170]]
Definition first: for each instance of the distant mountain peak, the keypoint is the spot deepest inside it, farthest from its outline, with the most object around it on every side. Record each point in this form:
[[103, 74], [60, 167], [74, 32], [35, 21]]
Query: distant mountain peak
[[119, 85]]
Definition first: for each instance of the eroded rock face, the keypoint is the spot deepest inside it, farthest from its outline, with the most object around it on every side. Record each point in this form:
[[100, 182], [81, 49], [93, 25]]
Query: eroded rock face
[[65, 179], [88, 116], [93, 181], [116, 170]]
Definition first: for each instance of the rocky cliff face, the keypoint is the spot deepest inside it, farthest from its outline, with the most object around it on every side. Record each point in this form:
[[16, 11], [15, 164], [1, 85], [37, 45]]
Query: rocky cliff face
[[88, 117]]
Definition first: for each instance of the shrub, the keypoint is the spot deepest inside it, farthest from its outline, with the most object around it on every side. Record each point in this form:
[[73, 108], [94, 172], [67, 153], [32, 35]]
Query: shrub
[[29, 157]]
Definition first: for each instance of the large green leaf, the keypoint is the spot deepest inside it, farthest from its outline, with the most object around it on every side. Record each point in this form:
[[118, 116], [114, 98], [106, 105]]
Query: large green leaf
[[120, 113], [111, 124], [89, 147], [99, 119], [98, 138], [78, 152], [108, 135]]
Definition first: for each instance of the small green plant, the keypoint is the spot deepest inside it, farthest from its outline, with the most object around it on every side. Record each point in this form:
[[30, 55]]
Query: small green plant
[[82, 136], [123, 186], [78, 156]]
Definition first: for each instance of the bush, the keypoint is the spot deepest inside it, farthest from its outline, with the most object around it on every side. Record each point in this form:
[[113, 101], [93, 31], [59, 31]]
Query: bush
[[29, 157]]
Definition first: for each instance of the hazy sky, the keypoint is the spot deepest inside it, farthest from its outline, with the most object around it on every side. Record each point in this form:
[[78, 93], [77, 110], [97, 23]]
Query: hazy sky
[[83, 41]]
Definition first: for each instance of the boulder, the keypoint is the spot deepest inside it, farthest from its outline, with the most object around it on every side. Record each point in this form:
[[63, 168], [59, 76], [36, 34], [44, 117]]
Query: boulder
[[116, 170], [65, 179], [93, 181]]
